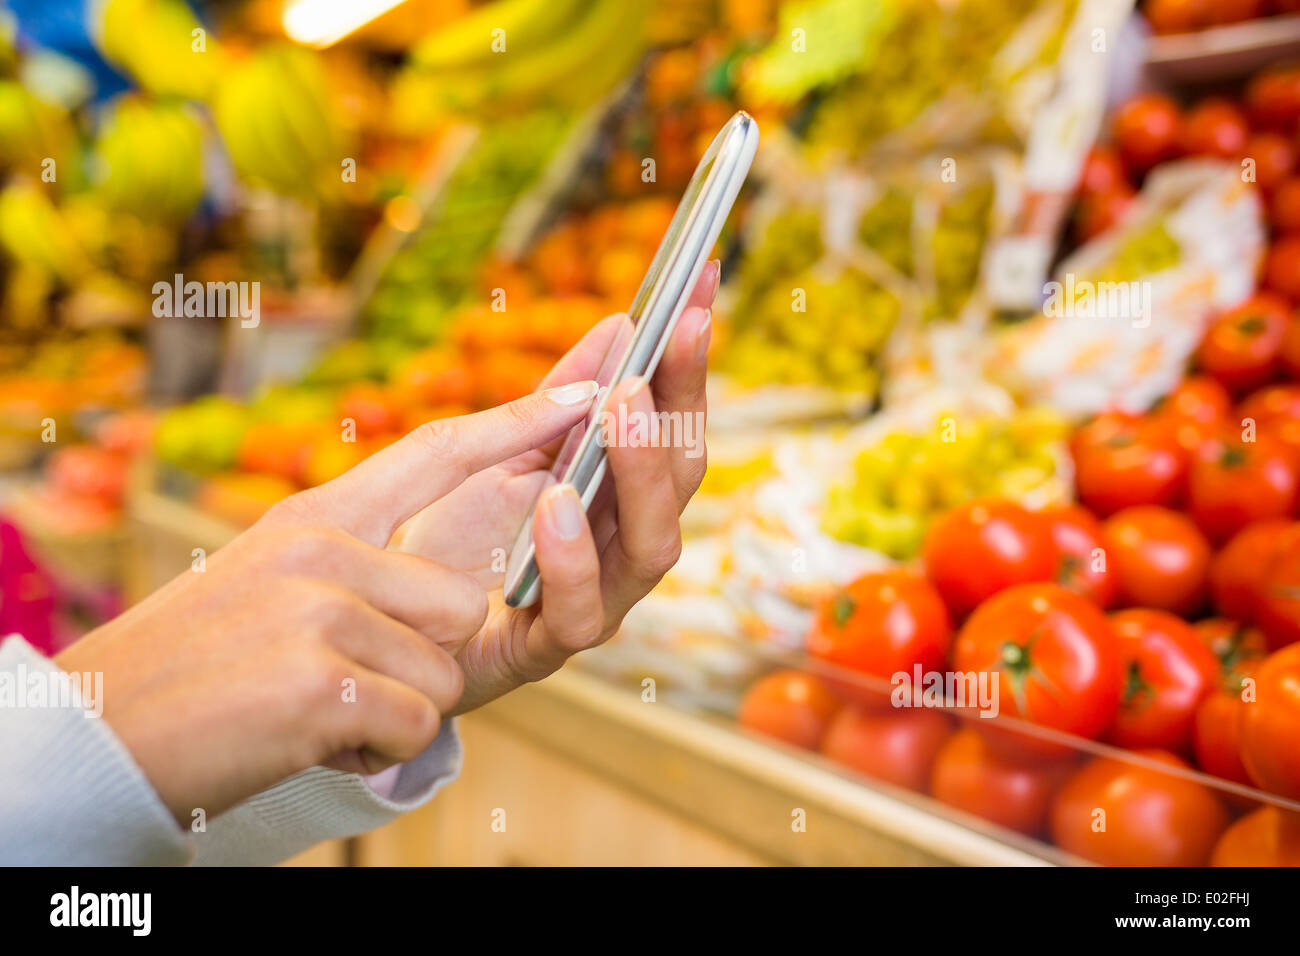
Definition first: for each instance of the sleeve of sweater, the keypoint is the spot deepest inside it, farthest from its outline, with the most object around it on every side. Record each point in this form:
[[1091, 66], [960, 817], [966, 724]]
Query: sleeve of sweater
[[71, 794]]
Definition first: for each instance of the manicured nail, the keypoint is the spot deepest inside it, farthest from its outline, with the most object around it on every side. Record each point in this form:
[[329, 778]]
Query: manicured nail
[[572, 394], [566, 512], [702, 337], [717, 277]]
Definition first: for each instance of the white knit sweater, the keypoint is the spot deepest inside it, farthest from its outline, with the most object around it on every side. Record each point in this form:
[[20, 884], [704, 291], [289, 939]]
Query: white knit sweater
[[71, 794]]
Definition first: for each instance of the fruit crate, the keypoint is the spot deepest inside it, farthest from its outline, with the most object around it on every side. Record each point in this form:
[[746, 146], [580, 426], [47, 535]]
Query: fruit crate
[[1224, 52], [163, 527], [1056, 797]]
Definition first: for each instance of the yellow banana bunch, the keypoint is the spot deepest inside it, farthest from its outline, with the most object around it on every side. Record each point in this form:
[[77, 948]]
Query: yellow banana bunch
[[156, 43], [32, 130], [34, 233], [151, 159], [524, 25], [597, 47], [278, 124]]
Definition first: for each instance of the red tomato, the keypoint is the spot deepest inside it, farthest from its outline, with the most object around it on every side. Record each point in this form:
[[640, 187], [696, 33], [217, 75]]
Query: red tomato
[[882, 624], [1099, 213], [1233, 644], [979, 548], [1119, 813], [1081, 559], [898, 747], [1271, 404], [1215, 127], [1241, 348], [1198, 409], [1159, 559], [791, 706], [1238, 571], [1274, 159], [1124, 460], [1216, 738], [1168, 671], [1055, 655], [1285, 208], [1147, 131], [1282, 268], [972, 776], [1276, 413], [1273, 97], [1268, 837], [1278, 612], [1234, 11], [1197, 398], [1177, 16], [1234, 483], [1289, 354], [1103, 173], [1270, 727]]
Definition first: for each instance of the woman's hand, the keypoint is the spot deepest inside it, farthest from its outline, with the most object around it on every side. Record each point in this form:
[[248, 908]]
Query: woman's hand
[[304, 641], [592, 573]]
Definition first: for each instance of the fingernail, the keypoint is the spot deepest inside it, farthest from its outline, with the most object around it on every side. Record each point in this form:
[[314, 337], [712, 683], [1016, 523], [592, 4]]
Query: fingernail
[[566, 512], [702, 337], [717, 277], [572, 394]]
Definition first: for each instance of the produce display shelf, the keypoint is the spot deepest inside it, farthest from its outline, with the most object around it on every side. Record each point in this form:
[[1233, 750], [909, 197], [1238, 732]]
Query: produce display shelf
[[1224, 52], [741, 787], [746, 788]]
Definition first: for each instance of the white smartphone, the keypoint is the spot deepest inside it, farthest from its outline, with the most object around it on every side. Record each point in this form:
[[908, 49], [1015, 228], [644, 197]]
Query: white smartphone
[[636, 350]]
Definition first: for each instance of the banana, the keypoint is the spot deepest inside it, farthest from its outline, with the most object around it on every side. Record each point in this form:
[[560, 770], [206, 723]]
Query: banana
[[536, 76], [467, 42], [33, 232], [118, 29], [274, 115], [152, 40], [559, 71], [31, 130], [304, 113], [153, 155], [615, 62], [19, 131]]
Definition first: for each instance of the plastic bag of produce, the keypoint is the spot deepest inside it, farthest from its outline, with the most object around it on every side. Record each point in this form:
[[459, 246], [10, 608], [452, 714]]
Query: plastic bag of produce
[[1125, 312], [846, 502], [844, 262], [685, 635]]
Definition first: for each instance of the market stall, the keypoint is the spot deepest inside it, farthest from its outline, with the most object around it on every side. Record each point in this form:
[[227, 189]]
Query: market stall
[[996, 558]]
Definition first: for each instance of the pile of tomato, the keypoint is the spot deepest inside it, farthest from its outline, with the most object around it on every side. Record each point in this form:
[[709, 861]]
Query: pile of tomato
[[1258, 130], [1161, 614], [1186, 16]]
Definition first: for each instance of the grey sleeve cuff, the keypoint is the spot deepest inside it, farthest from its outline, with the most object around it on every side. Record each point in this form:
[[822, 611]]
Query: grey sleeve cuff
[[321, 804], [70, 792]]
